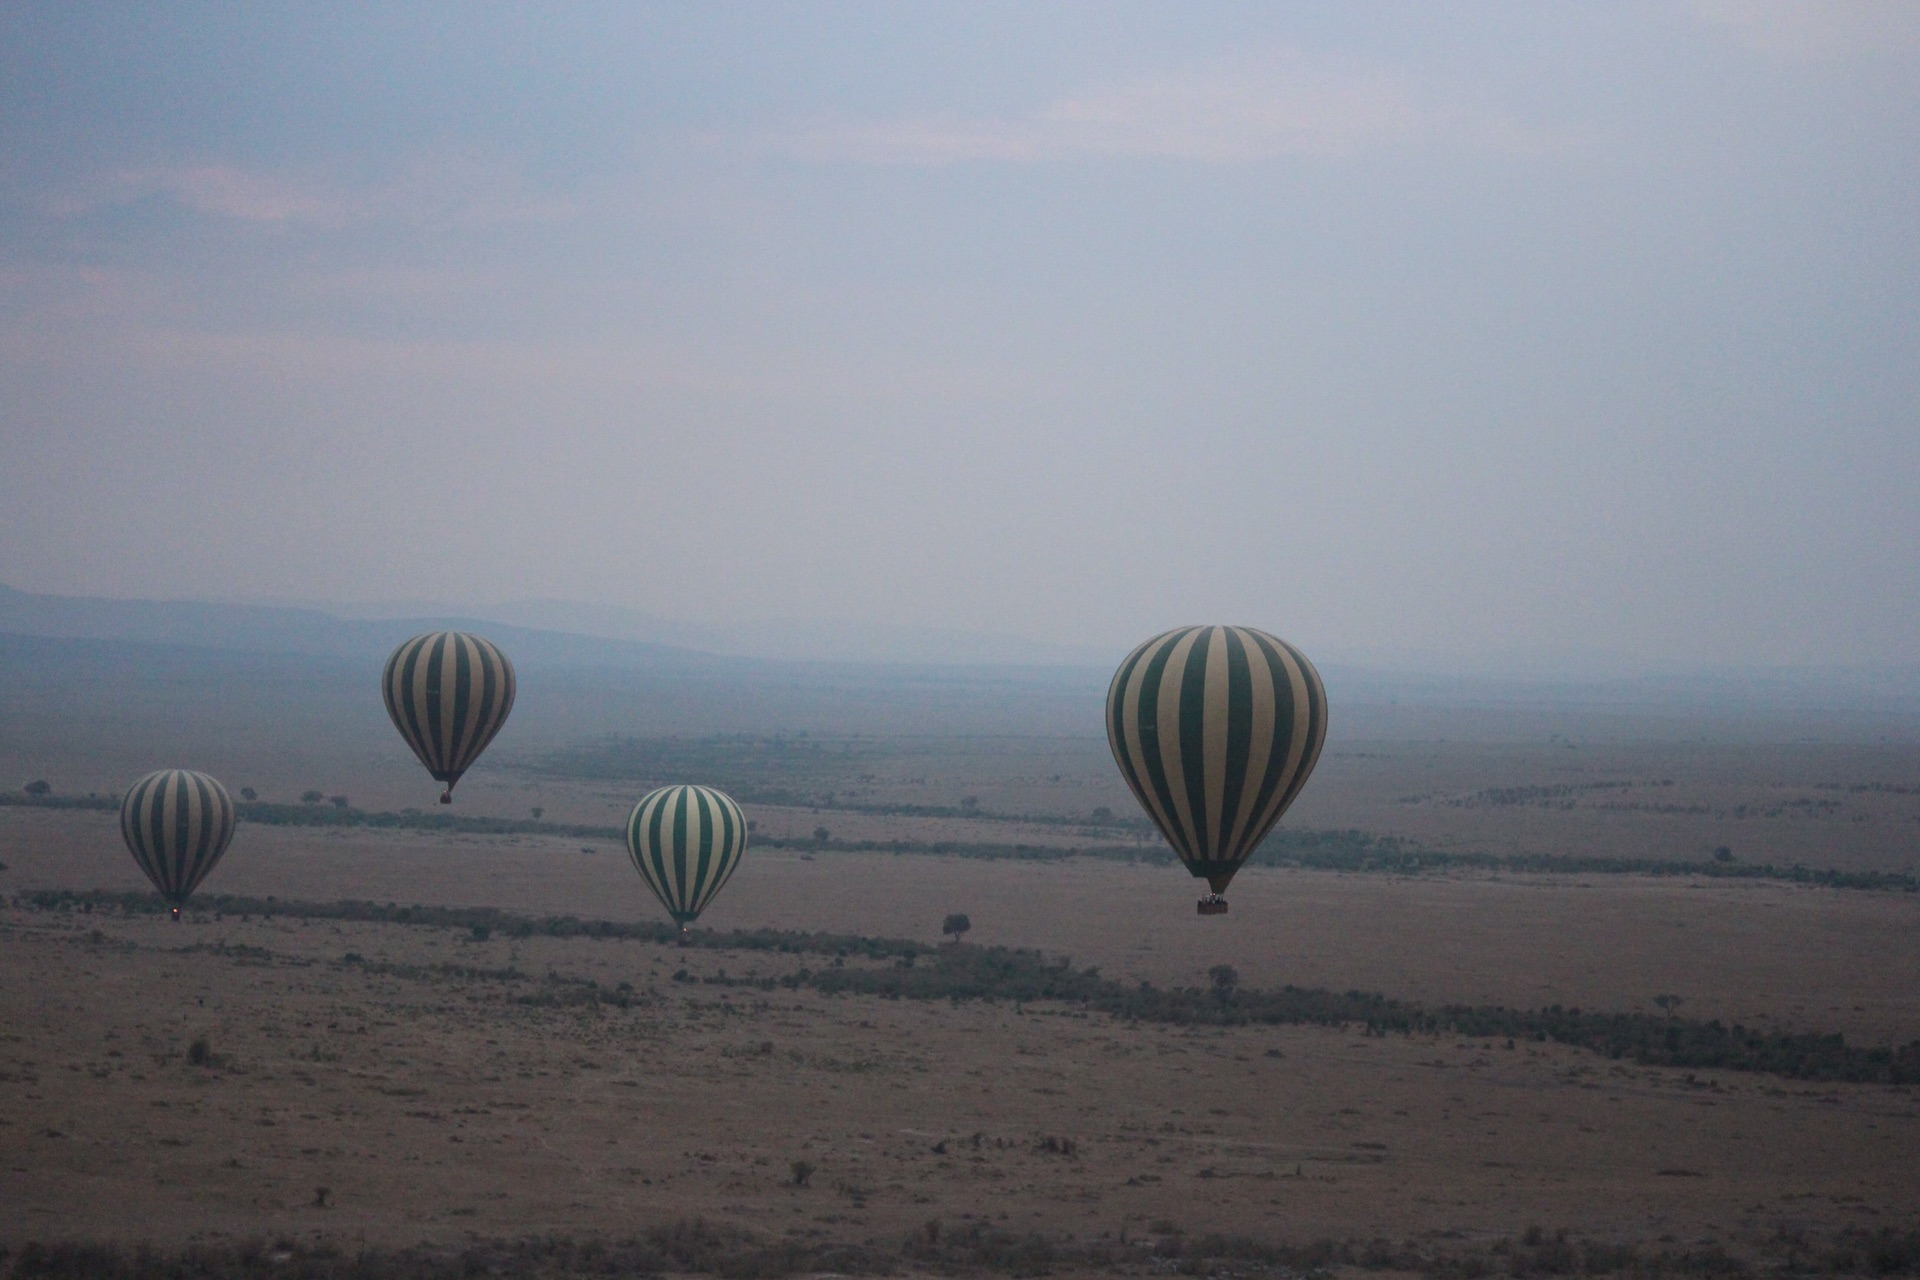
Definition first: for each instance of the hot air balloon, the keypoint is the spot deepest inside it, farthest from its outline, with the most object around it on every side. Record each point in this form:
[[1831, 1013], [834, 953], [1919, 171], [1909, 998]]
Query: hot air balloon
[[177, 824], [1216, 730], [686, 841], [448, 693]]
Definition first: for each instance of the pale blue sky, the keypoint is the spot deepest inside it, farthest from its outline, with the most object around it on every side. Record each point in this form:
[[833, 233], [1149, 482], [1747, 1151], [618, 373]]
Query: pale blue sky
[[1408, 332]]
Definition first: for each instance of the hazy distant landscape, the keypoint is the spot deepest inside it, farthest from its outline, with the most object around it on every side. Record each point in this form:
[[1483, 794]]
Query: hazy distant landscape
[[1707, 861]]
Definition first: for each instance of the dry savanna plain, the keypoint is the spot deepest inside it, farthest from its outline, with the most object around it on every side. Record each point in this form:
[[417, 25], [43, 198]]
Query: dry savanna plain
[[496, 1063]]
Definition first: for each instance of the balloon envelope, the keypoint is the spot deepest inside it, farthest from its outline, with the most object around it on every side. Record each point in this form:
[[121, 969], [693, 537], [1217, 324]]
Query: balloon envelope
[[686, 841], [177, 823], [1216, 729], [448, 694]]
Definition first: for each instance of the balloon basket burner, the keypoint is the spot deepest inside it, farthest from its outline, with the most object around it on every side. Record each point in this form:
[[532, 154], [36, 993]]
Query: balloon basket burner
[[1212, 905]]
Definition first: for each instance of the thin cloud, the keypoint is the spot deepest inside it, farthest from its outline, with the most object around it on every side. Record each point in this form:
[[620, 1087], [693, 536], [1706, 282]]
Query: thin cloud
[[458, 189], [1816, 30], [1284, 103], [214, 189]]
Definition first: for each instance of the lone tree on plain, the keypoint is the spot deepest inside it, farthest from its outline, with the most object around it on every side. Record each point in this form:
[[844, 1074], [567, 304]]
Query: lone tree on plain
[[1669, 1003], [38, 787], [956, 924]]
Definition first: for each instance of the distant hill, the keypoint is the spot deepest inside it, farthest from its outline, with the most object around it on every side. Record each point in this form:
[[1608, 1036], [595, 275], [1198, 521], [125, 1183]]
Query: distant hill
[[990, 694], [104, 661], [290, 630], [544, 631], [781, 640]]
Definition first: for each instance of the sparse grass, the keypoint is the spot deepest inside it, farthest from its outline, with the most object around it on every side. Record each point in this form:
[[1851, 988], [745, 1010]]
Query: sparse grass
[[686, 1247], [696, 1247], [1023, 975], [1349, 851]]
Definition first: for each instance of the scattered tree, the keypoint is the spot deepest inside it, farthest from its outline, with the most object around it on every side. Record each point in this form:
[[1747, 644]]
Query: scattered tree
[[249, 794], [200, 1053], [801, 1170], [956, 924], [312, 797], [1669, 1003], [1723, 854], [821, 835], [39, 787], [1103, 814], [339, 802], [320, 1195], [970, 803], [1224, 978], [536, 811]]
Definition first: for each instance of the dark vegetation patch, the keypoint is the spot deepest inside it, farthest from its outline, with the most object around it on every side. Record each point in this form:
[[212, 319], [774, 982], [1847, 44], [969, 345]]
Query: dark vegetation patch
[[1868, 788], [47, 800], [1348, 851], [695, 1247], [798, 771], [1360, 852], [1559, 795], [898, 968], [732, 760]]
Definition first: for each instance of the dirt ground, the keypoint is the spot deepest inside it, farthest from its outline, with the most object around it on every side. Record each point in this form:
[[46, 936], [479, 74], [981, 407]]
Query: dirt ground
[[436, 1107], [440, 1106], [1847, 805], [1765, 954]]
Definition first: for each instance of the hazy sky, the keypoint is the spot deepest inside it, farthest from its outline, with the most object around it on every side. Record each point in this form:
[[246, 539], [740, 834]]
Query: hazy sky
[[1446, 331]]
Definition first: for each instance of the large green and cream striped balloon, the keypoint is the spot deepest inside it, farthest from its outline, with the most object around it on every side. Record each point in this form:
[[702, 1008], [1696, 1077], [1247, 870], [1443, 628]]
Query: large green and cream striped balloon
[[686, 842], [448, 693], [1216, 729], [177, 823]]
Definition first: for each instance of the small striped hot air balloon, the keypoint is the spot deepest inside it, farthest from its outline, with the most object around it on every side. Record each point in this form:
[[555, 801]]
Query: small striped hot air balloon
[[686, 842], [177, 823], [448, 693], [1216, 729]]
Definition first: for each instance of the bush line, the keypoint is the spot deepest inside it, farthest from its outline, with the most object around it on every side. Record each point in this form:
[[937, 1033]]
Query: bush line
[[1313, 850], [954, 972]]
